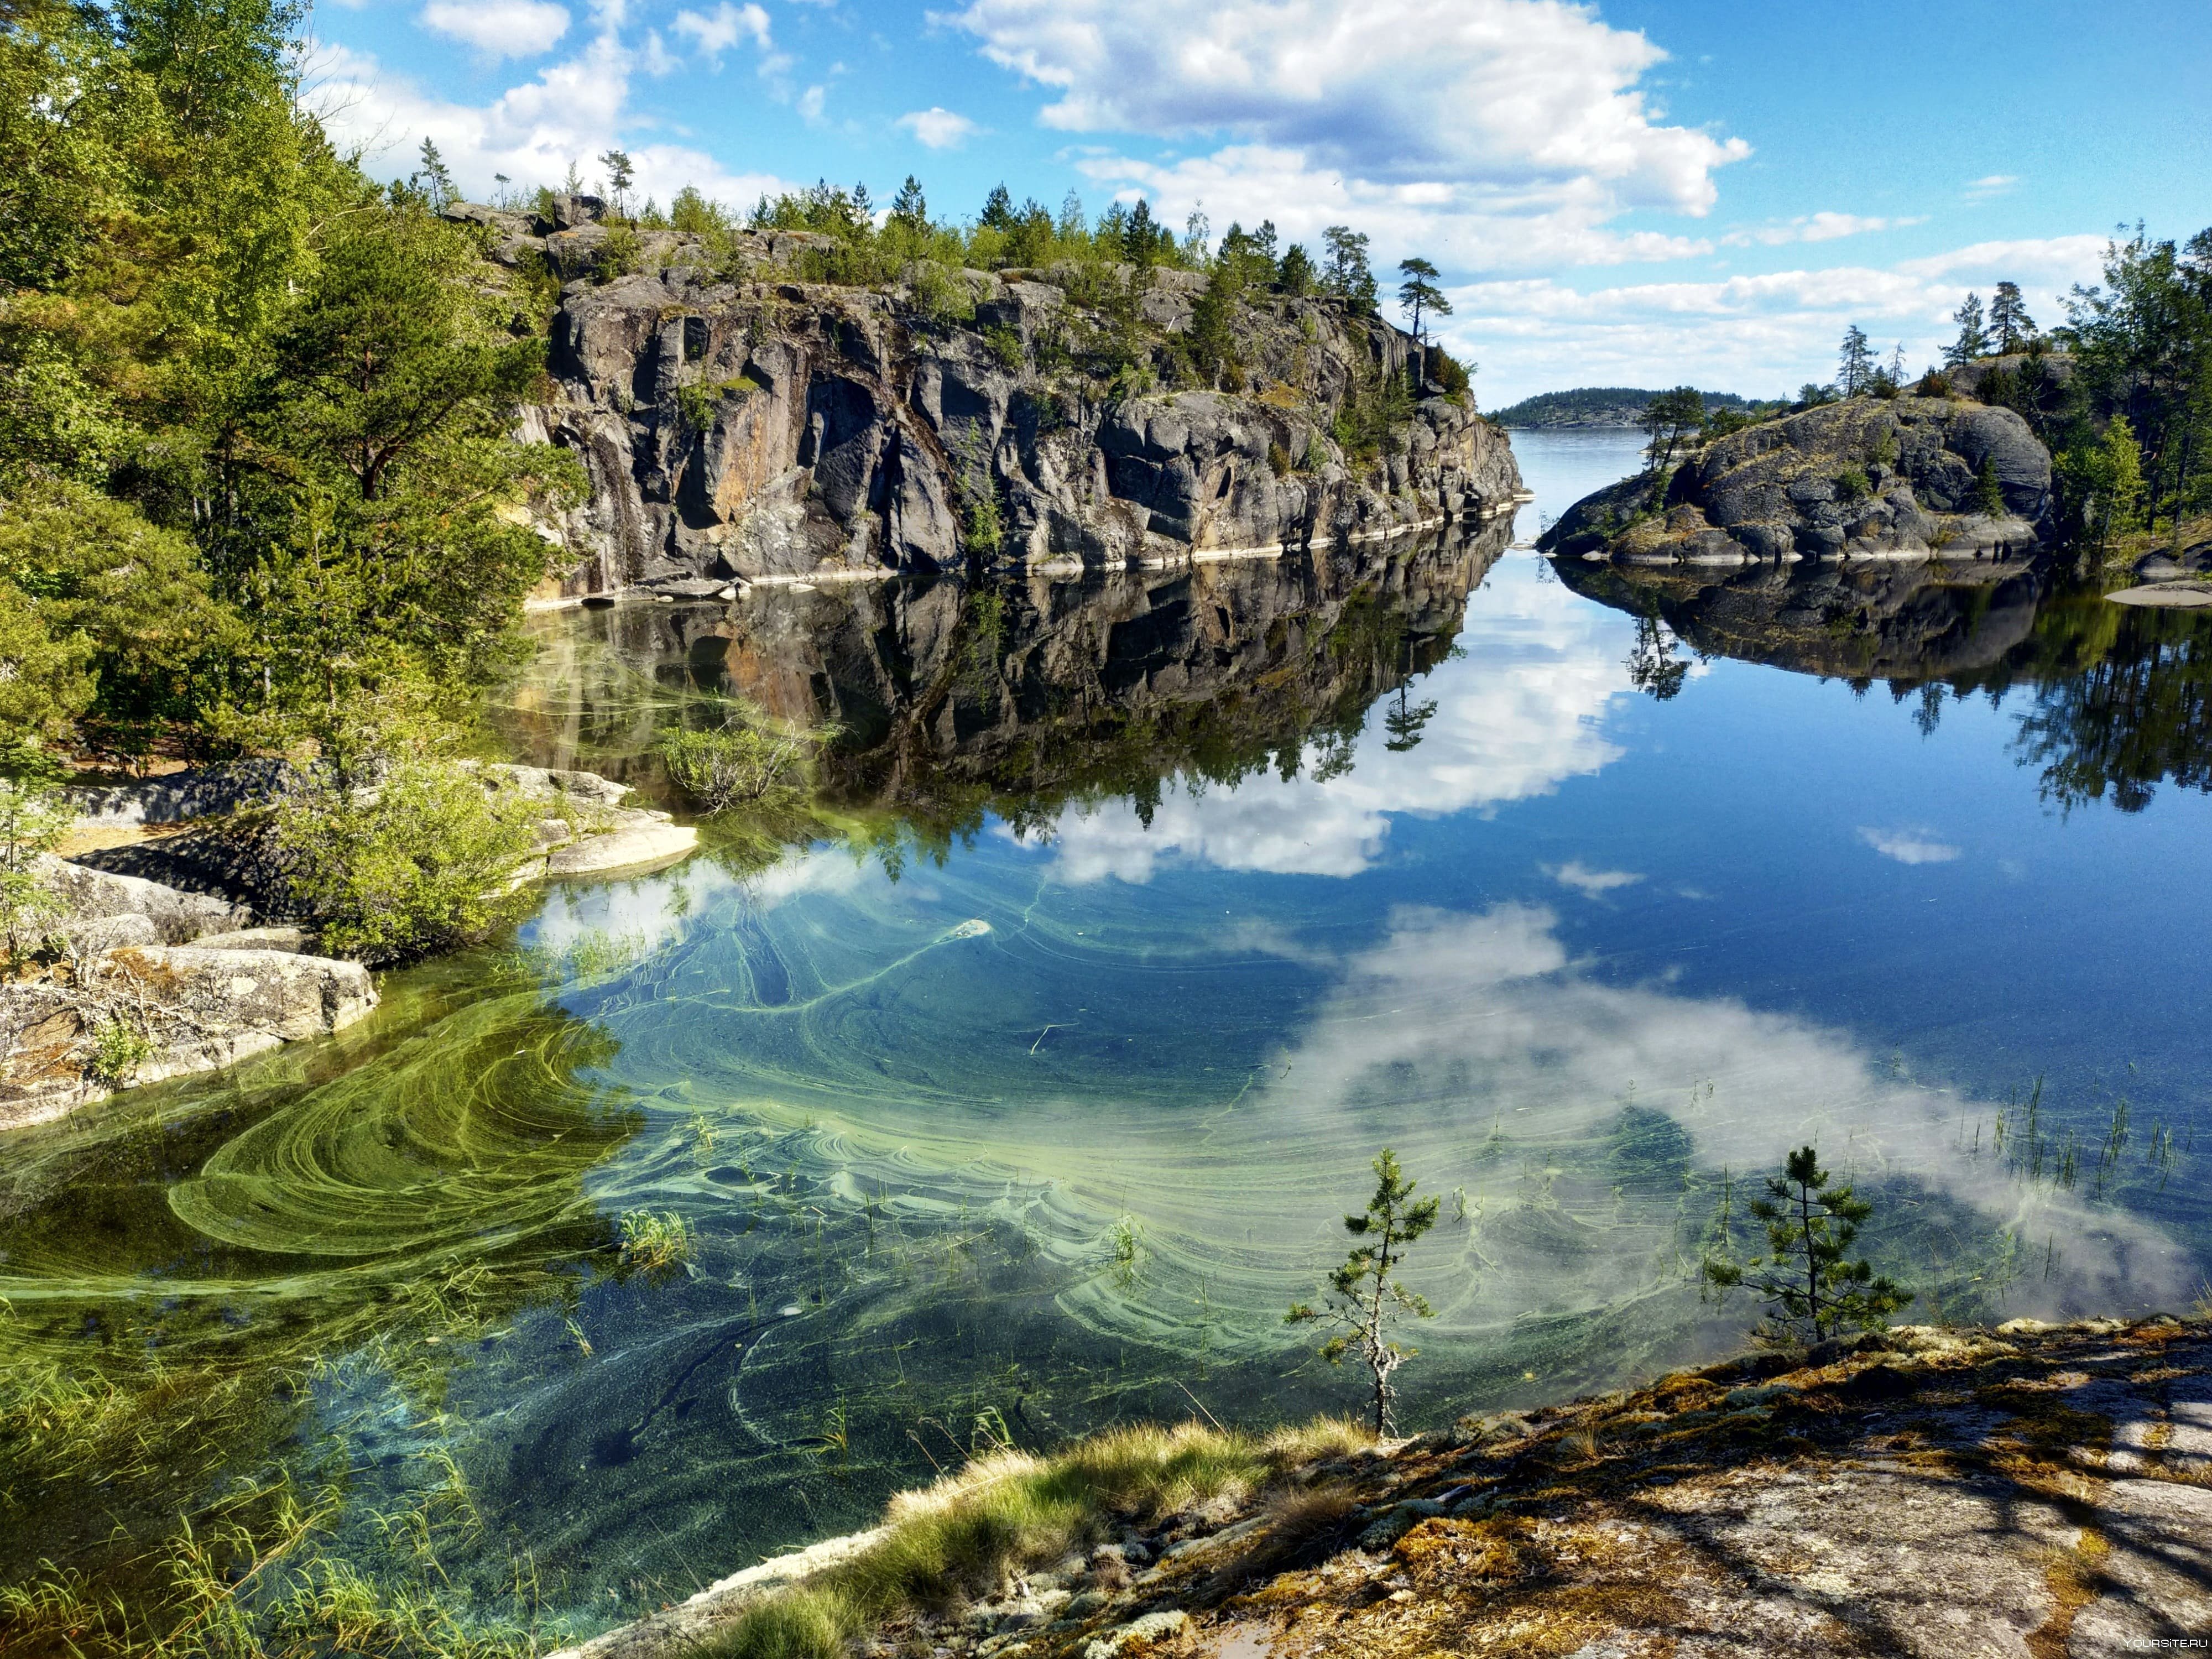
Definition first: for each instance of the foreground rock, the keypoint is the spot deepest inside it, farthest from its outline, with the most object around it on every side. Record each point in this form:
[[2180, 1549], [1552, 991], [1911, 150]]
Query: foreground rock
[[2031, 1491], [740, 419], [1872, 478]]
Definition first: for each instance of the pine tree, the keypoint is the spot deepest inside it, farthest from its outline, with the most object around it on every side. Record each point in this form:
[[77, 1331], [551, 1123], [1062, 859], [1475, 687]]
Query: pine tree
[[1364, 1297], [1807, 1274], [1855, 365], [621, 175], [2009, 324], [1668, 419], [433, 179], [1296, 275], [1418, 294], [909, 208], [998, 208], [1973, 339], [1347, 275]]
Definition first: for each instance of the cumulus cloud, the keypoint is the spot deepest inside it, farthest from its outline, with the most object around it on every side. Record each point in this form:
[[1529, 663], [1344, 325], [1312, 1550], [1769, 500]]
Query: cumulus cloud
[[937, 128], [1758, 334], [1909, 845], [1486, 130], [712, 33], [499, 29], [1518, 715], [533, 132], [1590, 883]]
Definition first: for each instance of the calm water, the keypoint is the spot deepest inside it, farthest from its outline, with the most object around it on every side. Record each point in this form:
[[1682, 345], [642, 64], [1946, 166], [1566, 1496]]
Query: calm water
[[1017, 1086]]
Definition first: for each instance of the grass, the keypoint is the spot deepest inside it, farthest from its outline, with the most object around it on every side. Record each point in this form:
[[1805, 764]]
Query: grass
[[1011, 1510], [657, 1240]]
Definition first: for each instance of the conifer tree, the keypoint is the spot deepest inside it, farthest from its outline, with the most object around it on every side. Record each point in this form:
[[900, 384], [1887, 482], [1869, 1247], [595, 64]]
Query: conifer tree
[[1855, 364], [1347, 274], [1808, 1274], [2010, 326], [1364, 1296], [1420, 293], [1973, 339]]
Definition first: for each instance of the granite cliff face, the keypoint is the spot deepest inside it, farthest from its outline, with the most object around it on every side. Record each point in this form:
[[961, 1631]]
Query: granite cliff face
[[740, 423], [1897, 478]]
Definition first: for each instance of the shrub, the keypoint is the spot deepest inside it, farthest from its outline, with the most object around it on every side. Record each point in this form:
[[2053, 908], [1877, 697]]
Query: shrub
[[1448, 372], [733, 763], [1278, 460], [32, 821], [423, 861], [1852, 485], [1006, 345], [619, 255], [118, 1050], [1933, 384]]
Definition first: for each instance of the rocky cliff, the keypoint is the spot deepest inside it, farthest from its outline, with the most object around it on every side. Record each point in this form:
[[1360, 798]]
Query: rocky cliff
[[738, 422], [1898, 479]]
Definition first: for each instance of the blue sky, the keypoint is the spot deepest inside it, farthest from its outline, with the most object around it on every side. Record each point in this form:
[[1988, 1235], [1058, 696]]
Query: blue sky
[[1643, 191]]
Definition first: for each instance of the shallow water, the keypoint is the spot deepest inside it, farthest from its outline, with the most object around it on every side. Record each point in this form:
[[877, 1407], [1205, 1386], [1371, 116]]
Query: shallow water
[[1029, 1097]]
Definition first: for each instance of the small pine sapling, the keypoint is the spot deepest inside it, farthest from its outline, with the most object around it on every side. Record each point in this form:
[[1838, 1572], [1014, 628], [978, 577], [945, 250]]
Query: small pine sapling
[[1808, 1274], [1364, 1297]]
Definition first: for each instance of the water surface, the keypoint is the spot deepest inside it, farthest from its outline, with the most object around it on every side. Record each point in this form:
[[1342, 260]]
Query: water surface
[[1016, 1084]]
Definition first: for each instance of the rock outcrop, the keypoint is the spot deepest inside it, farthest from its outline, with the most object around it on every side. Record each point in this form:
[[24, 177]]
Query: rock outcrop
[[1906, 477], [739, 422], [2032, 1491], [157, 983]]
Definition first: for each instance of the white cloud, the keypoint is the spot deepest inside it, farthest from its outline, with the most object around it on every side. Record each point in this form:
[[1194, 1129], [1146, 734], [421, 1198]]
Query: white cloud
[[533, 132], [713, 34], [809, 104], [1488, 132], [1823, 226], [1590, 883], [937, 128], [1909, 845], [1759, 334], [1518, 715], [499, 29], [1997, 184]]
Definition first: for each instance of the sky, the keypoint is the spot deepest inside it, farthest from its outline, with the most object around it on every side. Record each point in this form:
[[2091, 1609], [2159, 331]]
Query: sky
[[1641, 192]]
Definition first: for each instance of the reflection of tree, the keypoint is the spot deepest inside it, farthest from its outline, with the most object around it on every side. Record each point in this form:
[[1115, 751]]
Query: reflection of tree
[[1652, 665], [2140, 714], [1405, 724]]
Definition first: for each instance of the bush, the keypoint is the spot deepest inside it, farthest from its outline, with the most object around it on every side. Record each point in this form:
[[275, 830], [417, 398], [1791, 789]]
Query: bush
[[423, 861], [1933, 384], [1852, 485], [1006, 345], [731, 764], [118, 1050], [1448, 372], [32, 822]]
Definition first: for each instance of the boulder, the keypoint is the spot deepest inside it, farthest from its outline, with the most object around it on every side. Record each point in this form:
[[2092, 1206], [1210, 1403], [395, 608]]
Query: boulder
[[185, 1008], [176, 917]]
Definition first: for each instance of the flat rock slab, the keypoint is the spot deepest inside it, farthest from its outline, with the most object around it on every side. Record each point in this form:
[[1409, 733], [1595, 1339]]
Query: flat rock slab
[[2180, 596], [634, 847]]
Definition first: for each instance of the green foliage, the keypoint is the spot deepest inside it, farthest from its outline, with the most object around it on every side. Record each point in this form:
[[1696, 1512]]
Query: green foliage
[[1448, 372], [420, 861], [1852, 484], [118, 1050], [1366, 1298], [1345, 274], [33, 822], [1973, 339], [1669, 420], [731, 764], [1006, 344], [1988, 489], [1855, 364], [656, 1241], [1298, 276], [2104, 475], [1807, 1274]]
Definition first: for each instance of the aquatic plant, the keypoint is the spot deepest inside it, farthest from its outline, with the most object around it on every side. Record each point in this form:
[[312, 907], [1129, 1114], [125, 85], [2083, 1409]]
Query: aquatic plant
[[1807, 1274], [656, 1241], [732, 764], [1364, 1297]]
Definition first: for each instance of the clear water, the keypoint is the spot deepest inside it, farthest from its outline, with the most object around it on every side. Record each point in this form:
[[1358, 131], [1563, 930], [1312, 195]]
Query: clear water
[[1020, 1106]]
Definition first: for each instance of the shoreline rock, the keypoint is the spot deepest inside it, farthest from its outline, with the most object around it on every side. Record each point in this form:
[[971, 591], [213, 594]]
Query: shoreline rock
[[2033, 1489]]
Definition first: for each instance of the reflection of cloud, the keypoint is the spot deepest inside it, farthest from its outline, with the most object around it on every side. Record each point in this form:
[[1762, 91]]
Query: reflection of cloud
[[1457, 1023], [1517, 716], [1909, 845], [649, 910], [1590, 883]]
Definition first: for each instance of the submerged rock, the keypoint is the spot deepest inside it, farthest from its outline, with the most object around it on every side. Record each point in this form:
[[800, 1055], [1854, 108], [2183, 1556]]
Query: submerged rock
[[1871, 479]]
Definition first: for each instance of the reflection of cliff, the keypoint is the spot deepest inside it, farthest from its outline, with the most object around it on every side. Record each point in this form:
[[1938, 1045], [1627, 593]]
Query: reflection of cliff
[[1021, 692], [2122, 695], [1860, 621]]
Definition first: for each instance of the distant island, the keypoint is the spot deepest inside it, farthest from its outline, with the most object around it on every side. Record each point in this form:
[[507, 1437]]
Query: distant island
[[1601, 407]]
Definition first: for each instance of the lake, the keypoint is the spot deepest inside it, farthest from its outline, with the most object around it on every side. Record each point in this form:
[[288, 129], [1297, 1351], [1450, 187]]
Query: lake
[[1015, 1082]]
